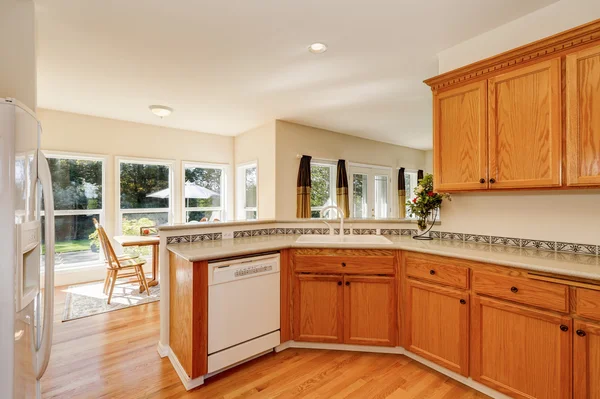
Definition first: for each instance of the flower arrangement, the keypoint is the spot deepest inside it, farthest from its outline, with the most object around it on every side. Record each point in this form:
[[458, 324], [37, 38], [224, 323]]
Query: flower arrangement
[[426, 201]]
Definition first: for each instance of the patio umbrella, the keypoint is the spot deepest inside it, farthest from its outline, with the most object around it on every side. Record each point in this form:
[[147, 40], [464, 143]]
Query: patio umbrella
[[191, 190]]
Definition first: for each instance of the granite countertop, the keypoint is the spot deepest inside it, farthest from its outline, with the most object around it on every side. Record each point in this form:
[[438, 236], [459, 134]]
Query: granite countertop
[[250, 223], [573, 265]]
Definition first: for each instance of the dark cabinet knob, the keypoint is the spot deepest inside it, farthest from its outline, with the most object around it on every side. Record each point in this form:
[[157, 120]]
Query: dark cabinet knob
[[492, 180], [462, 301], [432, 272], [482, 180], [564, 328], [339, 283], [347, 283], [581, 333], [514, 289], [343, 264]]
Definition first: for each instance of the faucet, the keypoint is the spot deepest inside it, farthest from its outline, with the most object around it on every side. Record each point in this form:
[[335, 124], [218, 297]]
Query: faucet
[[340, 214]]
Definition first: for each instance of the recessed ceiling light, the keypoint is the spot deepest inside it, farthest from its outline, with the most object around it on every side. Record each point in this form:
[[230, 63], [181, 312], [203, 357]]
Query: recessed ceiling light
[[160, 110], [317, 48]]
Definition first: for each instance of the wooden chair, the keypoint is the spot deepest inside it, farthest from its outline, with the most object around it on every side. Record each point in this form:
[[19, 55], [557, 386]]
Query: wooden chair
[[128, 265]]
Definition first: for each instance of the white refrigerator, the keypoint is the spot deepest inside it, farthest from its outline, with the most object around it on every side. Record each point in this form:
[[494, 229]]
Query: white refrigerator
[[26, 311]]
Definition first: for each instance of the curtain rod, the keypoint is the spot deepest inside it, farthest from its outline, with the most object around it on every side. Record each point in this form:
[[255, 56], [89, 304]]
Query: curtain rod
[[299, 156]]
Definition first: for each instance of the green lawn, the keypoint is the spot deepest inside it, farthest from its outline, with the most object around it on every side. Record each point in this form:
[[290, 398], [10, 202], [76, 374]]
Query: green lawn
[[70, 246]]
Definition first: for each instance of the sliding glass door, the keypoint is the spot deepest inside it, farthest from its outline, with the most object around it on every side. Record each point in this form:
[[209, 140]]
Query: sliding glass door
[[370, 192]]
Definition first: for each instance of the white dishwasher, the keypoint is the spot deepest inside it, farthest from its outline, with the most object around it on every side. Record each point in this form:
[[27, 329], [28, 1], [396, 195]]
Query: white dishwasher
[[243, 309]]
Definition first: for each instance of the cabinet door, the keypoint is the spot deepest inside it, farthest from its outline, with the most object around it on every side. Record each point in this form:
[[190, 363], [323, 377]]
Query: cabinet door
[[519, 351], [370, 310], [524, 127], [586, 361], [436, 322], [583, 118], [460, 138], [318, 306]]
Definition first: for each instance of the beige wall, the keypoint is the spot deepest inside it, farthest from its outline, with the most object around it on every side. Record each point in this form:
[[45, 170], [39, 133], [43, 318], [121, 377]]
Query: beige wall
[[293, 139], [67, 132], [17, 46], [429, 161], [259, 145], [571, 216]]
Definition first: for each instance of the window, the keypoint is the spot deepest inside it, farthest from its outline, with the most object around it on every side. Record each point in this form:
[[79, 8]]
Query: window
[[322, 193], [204, 192], [370, 191], [410, 179], [78, 188], [145, 194], [247, 189]]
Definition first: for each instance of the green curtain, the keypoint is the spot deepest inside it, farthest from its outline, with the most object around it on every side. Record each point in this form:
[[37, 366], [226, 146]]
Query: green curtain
[[401, 194], [341, 188], [303, 187]]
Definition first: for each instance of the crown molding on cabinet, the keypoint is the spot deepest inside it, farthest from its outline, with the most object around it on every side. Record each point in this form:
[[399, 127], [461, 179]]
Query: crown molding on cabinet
[[560, 43]]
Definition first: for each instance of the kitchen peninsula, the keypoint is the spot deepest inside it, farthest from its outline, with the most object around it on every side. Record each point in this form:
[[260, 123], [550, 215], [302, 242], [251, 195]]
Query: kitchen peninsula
[[372, 297]]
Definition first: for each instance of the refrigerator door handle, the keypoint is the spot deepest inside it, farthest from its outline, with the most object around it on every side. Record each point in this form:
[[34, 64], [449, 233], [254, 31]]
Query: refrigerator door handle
[[45, 344]]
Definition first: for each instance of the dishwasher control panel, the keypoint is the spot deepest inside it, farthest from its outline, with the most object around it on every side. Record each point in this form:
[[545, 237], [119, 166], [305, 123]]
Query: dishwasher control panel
[[252, 270], [239, 269]]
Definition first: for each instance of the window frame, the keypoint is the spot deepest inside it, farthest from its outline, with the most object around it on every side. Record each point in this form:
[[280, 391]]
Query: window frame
[[332, 184], [79, 212], [143, 161], [240, 207], [224, 208]]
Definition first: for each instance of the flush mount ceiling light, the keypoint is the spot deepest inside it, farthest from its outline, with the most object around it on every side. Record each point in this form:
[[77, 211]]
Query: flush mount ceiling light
[[317, 48], [160, 110]]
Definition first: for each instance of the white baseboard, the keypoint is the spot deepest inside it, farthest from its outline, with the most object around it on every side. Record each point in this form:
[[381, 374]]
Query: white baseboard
[[163, 350], [468, 381], [188, 383]]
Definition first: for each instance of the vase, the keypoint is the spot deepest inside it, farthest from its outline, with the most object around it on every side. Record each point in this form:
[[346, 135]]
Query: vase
[[424, 225]]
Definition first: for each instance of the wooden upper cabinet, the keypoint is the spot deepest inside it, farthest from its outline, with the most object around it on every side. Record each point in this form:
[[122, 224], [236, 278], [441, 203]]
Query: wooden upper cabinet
[[583, 117], [524, 127], [436, 325], [586, 361], [520, 351], [370, 310], [318, 307], [460, 138]]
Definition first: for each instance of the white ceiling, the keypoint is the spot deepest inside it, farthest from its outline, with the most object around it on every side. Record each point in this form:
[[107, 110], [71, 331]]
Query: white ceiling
[[227, 66]]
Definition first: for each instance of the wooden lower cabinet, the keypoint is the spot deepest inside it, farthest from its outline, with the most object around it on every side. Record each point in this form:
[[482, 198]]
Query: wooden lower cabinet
[[318, 306], [519, 351], [437, 325], [370, 310], [586, 360]]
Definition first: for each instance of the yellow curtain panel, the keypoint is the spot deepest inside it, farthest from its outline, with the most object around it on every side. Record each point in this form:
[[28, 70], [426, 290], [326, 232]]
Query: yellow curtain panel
[[401, 194], [341, 188], [303, 187]]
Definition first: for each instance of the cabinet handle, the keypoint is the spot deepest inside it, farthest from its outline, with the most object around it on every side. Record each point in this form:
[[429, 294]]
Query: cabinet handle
[[482, 180], [564, 328], [432, 272], [514, 289], [462, 301], [347, 283], [492, 180], [581, 333], [339, 283], [343, 264]]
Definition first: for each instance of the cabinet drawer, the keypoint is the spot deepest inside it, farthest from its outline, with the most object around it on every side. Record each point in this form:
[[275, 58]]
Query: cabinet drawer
[[345, 264], [529, 292], [588, 303], [437, 269]]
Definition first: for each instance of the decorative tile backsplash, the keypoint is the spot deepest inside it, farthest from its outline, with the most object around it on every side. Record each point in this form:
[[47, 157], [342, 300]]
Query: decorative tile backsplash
[[517, 243]]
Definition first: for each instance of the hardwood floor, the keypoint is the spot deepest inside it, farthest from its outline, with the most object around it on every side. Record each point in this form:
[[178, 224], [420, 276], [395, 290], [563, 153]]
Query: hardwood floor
[[113, 355]]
